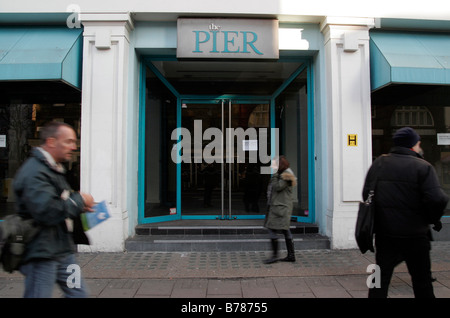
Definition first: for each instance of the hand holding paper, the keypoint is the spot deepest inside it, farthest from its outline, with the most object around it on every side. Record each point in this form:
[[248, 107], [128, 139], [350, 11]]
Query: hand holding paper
[[100, 213], [88, 201]]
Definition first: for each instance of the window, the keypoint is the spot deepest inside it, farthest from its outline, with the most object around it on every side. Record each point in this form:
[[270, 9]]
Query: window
[[19, 133], [416, 116]]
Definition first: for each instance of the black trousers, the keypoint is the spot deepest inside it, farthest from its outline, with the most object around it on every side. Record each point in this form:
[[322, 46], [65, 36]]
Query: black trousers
[[415, 252]]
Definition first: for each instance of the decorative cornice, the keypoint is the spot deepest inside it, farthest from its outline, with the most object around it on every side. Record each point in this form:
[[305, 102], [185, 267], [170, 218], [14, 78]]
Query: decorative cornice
[[346, 21], [89, 18], [103, 26], [346, 30]]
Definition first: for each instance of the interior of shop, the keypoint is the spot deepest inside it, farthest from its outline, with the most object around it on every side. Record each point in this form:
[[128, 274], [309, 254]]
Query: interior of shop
[[222, 95], [426, 108], [24, 108]]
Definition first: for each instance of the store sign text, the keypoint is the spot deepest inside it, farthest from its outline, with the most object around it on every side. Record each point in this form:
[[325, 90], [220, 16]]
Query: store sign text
[[233, 41], [227, 38]]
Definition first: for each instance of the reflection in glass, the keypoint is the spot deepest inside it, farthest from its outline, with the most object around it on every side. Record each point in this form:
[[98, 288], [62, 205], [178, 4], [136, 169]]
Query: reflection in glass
[[291, 109], [160, 170], [19, 133], [426, 108]]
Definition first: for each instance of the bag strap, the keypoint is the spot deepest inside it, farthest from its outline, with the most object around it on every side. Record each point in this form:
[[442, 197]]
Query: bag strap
[[374, 181]]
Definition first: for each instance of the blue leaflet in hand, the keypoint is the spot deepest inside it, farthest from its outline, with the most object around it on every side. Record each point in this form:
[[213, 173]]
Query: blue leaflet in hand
[[91, 219]]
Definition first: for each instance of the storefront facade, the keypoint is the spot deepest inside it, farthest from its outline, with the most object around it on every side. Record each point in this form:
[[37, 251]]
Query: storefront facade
[[181, 111]]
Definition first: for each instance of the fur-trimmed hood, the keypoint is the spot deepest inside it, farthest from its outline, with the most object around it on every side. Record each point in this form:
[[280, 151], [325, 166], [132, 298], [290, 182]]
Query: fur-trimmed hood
[[288, 175]]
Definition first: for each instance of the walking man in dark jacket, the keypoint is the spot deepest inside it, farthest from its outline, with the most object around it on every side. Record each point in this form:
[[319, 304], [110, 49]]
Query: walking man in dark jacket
[[408, 198], [43, 194]]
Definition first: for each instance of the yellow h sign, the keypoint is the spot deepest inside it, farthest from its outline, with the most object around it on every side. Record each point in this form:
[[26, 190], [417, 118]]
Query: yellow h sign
[[352, 140]]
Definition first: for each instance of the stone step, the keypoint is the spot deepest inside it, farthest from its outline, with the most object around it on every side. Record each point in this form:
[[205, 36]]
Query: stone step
[[213, 235], [217, 230], [205, 243]]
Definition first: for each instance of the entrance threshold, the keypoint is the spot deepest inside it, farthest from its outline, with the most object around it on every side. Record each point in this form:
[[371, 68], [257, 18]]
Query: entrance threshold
[[200, 226], [218, 236]]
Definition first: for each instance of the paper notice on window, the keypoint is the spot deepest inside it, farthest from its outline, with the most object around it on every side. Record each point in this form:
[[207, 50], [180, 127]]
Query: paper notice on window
[[443, 139], [2, 141], [250, 145]]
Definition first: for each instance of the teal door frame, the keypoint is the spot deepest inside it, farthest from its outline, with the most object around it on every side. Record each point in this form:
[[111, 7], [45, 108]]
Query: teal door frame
[[147, 62]]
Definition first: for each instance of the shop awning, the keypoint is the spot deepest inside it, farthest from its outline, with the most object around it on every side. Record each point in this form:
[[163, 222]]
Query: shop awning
[[409, 58], [41, 53]]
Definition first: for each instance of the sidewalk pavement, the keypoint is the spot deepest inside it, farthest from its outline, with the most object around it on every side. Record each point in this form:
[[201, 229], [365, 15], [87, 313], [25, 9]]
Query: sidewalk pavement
[[316, 274]]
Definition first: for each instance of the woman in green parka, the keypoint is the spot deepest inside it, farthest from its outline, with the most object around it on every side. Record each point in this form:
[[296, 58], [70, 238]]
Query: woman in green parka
[[280, 199]]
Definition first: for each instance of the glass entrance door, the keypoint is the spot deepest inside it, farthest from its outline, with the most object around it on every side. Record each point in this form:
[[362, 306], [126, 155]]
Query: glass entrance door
[[213, 180], [223, 177]]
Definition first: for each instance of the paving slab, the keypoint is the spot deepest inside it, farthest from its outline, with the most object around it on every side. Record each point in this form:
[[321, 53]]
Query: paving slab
[[315, 274], [224, 288], [190, 288], [259, 288], [156, 288]]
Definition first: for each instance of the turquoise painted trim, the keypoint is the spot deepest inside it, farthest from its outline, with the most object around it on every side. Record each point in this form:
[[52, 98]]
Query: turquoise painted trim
[[235, 99], [141, 212], [311, 218], [291, 78], [311, 155], [178, 214], [141, 154], [218, 217], [155, 219], [311, 148], [272, 125], [163, 79], [250, 217], [243, 98], [201, 217], [41, 53], [238, 100], [199, 100], [149, 60], [146, 62]]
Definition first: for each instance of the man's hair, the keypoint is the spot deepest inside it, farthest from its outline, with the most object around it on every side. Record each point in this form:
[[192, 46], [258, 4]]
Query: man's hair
[[51, 130]]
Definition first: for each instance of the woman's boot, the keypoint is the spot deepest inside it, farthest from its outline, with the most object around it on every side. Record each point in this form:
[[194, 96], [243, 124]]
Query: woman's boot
[[274, 257], [290, 250]]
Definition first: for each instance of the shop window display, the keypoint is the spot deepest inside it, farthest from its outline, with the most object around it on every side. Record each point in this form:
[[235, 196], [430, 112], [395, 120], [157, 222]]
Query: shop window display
[[19, 133], [425, 108]]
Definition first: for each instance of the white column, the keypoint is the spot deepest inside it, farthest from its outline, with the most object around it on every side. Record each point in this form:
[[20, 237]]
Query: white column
[[349, 115], [103, 122]]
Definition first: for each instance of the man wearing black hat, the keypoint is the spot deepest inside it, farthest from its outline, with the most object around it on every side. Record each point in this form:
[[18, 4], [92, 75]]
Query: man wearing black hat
[[408, 198]]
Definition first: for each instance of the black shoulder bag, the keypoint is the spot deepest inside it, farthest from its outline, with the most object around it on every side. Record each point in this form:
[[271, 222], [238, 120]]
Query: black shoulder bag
[[366, 218], [15, 233]]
